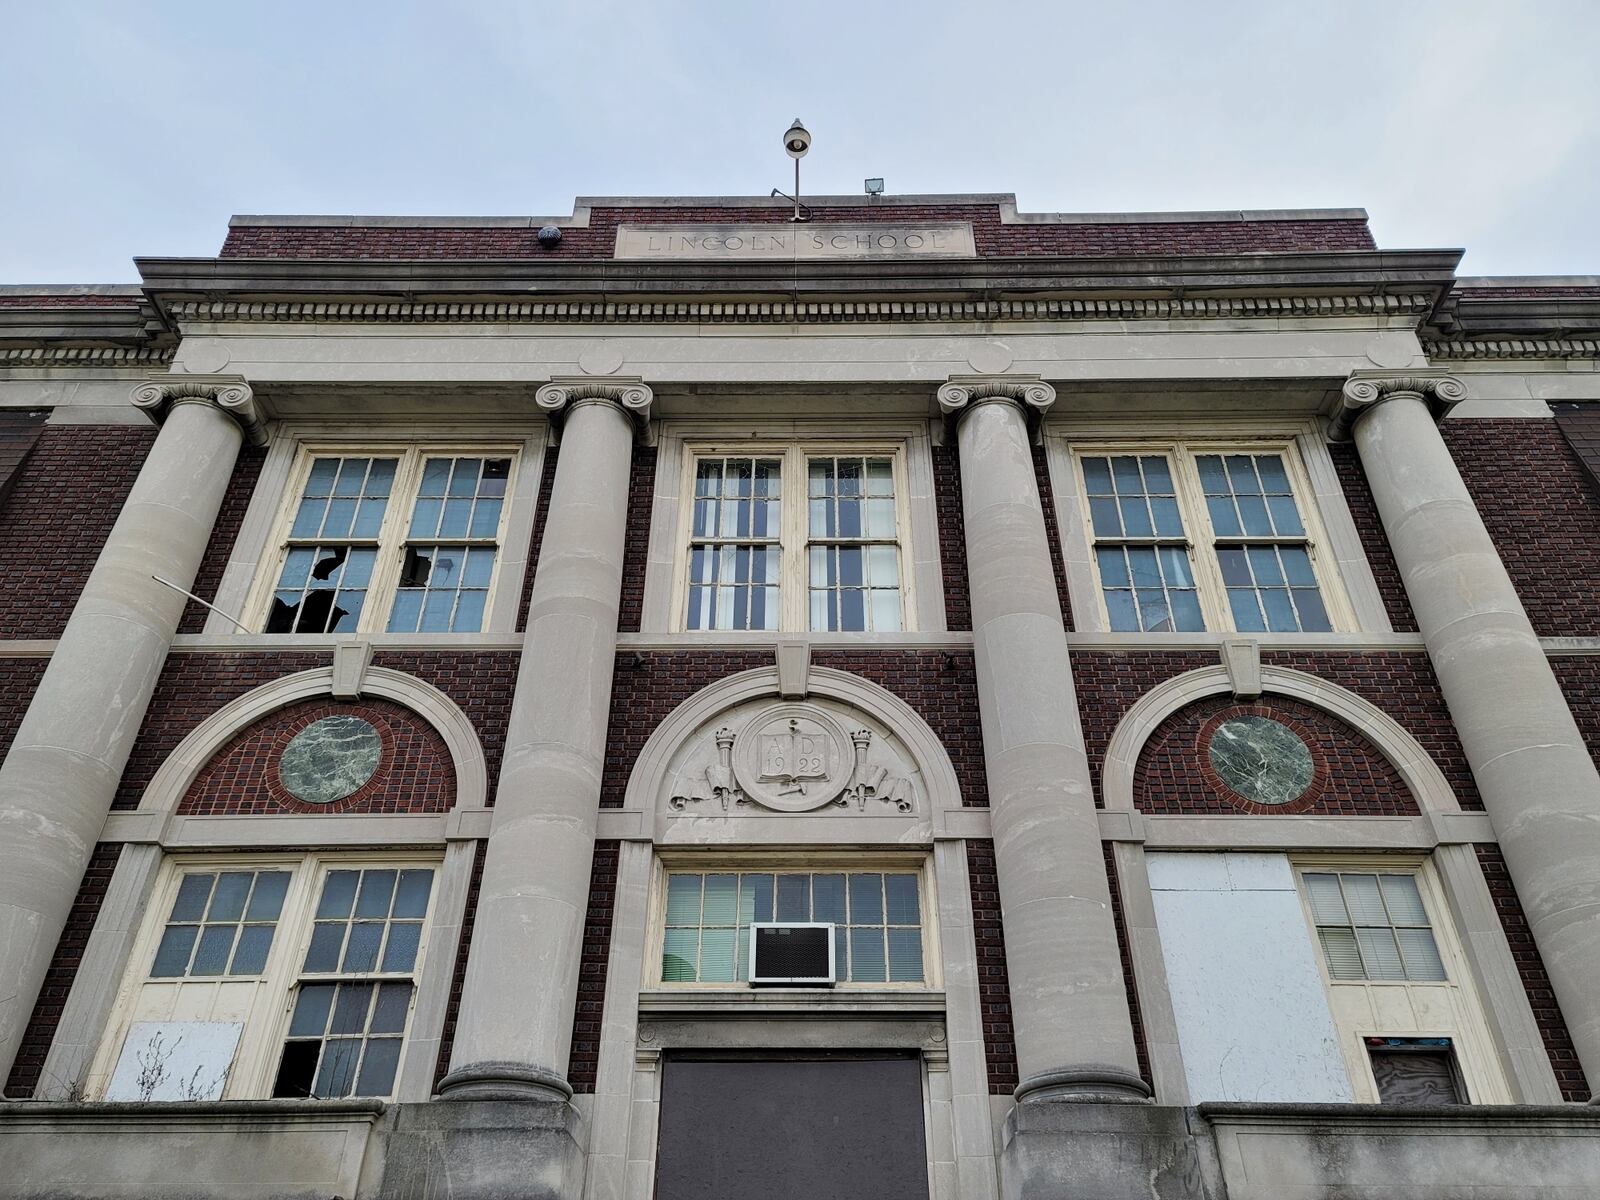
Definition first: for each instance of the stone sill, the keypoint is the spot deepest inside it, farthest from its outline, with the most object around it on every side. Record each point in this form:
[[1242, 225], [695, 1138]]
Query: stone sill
[[763, 1002], [190, 1108], [1541, 1117]]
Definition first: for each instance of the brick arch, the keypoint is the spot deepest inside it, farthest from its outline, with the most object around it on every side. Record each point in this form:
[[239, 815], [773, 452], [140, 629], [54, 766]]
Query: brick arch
[[415, 773], [1352, 776]]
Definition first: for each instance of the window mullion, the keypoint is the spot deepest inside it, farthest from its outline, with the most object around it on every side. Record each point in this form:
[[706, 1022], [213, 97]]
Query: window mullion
[[385, 579], [1203, 542], [796, 582]]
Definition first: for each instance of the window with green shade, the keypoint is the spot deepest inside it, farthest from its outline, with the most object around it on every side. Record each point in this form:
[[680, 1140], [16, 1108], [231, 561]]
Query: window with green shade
[[877, 919]]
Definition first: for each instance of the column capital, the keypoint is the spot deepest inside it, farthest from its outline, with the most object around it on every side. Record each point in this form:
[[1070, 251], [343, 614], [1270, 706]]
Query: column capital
[[230, 393], [630, 394], [962, 393], [1365, 390]]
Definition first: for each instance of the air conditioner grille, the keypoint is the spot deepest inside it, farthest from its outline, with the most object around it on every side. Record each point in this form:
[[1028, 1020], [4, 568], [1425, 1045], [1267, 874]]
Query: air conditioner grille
[[797, 952]]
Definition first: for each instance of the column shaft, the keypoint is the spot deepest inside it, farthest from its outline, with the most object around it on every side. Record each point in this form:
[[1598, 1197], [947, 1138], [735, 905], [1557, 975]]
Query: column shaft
[[1069, 1004], [58, 781], [1533, 770], [515, 1028]]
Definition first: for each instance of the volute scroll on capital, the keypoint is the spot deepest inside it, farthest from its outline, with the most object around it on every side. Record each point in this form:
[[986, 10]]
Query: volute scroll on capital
[[1364, 391], [961, 394], [231, 394], [632, 396]]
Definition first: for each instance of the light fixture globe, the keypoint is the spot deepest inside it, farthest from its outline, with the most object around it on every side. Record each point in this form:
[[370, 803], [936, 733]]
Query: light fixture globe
[[797, 139]]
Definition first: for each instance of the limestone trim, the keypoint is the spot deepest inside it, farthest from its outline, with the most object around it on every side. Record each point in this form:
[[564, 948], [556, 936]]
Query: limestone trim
[[178, 772], [230, 393], [629, 393], [963, 394], [825, 312], [1421, 775], [1512, 348], [1364, 390], [86, 356]]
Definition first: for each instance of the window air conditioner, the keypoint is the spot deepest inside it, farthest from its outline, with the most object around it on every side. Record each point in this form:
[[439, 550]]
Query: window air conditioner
[[799, 954]]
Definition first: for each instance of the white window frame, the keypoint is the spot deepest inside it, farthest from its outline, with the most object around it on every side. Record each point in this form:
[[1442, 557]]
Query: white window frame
[[392, 536], [255, 1063], [1449, 1008], [795, 540], [812, 863], [1200, 538]]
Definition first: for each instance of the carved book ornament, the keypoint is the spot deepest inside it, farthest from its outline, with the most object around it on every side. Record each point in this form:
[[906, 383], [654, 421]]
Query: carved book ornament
[[790, 758]]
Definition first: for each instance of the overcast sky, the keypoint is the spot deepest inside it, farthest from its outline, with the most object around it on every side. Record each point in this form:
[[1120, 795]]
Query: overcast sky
[[138, 128]]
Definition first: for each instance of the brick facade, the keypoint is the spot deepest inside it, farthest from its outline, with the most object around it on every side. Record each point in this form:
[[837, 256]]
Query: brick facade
[[541, 513], [994, 983], [19, 677], [1052, 533], [1141, 1047], [952, 537], [224, 535], [583, 1063], [458, 973], [29, 1066], [636, 550], [1543, 511], [65, 499], [1374, 540], [992, 237], [1351, 778], [414, 772]]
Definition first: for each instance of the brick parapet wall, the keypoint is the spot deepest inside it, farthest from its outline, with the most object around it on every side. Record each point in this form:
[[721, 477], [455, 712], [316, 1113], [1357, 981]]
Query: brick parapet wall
[[991, 236], [28, 1068], [224, 536], [414, 773], [1351, 777], [62, 506], [1374, 540], [1543, 511]]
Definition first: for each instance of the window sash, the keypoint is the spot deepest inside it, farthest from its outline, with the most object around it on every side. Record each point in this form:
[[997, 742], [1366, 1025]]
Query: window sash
[[387, 553], [1382, 933]]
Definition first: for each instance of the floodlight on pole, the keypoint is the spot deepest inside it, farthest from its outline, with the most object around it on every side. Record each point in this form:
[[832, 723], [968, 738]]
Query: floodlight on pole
[[796, 141]]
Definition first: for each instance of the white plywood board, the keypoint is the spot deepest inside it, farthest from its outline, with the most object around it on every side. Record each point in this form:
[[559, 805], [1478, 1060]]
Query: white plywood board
[[175, 1060]]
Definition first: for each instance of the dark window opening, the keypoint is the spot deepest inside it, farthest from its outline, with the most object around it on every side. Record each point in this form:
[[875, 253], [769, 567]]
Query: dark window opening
[[1412, 1072]]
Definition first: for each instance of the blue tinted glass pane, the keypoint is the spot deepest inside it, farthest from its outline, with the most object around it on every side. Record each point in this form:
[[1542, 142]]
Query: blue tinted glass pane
[[425, 518], [1168, 521], [1253, 512], [358, 569], [1186, 616], [350, 1009], [1280, 612], [1175, 566], [469, 612], [227, 902], [1107, 520], [903, 906], [411, 896], [407, 611], [1125, 471], [794, 898], [485, 518], [1273, 476], [1297, 566], [266, 902], [1242, 474], [1121, 612], [352, 474], [192, 895], [1153, 614], [436, 610], [1235, 566], [341, 516], [311, 1010], [866, 955], [389, 1014], [361, 952], [495, 473], [435, 475], [827, 898], [1142, 566], [309, 519], [1113, 566], [755, 898], [250, 956], [1136, 518], [457, 516], [400, 952], [1246, 613], [447, 561], [1223, 519], [1212, 477], [464, 479], [852, 610], [380, 477], [172, 956], [1157, 478], [479, 569], [369, 518], [377, 892], [327, 938], [378, 1066], [1285, 516], [1264, 566], [1313, 614], [905, 956], [297, 567], [336, 1076], [866, 899], [323, 473], [1097, 476], [216, 946]]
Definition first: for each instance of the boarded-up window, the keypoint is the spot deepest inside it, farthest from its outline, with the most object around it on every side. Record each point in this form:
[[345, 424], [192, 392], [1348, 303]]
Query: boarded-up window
[[792, 1129]]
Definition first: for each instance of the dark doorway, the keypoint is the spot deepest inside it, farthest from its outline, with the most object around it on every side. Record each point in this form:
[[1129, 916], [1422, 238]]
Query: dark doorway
[[792, 1128]]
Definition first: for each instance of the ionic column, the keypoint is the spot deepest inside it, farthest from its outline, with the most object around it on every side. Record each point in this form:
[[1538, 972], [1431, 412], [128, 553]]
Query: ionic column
[[515, 1027], [58, 781], [1538, 782], [1069, 1006]]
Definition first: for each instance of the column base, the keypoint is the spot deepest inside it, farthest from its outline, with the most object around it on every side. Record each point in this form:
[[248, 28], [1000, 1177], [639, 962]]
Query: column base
[[527, 1150], [497, 1080], [1090, 1083], [1089, 1151]]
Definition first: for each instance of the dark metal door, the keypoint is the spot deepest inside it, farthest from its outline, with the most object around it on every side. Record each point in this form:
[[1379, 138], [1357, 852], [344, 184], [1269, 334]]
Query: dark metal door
[[792, 1128]]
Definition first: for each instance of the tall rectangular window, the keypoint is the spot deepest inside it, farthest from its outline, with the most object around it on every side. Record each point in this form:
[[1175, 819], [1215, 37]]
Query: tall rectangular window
[[1189, 539], [406, 541], [1373, 926], [877, 919], [795, 539]]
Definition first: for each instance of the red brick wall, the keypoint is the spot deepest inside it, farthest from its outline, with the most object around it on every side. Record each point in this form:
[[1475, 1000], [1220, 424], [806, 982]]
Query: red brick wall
[[29, 1065], [952, 537], [63, 504], [414, 774], [1380, 555], [224, 534], [1136, 1015], [541, 513], [19, 677], [598, 239], [479, 681], [994, 984], [584, 1061], [1352, 778], [1546, 1012], [1580, 681], [458, 974], [1052, 532], [636, 550], [1542, 510]]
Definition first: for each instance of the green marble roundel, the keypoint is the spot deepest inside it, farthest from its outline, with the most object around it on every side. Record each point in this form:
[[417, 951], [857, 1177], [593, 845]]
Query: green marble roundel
[[1261, 759], [330, 759]]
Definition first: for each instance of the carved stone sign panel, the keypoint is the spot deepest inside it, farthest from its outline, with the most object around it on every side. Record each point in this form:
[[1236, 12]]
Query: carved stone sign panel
[[875, 240], [790, 758]]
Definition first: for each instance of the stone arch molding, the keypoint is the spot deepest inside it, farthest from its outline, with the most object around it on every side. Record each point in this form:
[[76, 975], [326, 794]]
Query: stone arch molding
[[173, 779], [1421, 774], [740, 762]]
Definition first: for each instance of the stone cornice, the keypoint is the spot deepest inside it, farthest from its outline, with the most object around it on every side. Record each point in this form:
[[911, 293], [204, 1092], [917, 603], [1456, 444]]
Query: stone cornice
[[85, 356], [1365, 390], [230, 393], [630, 394], [789, 312], [1457, 349]]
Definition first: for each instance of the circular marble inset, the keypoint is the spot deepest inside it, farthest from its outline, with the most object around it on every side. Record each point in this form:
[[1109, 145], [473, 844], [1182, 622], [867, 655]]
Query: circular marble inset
[[1261, 759], [330, 759]]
